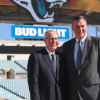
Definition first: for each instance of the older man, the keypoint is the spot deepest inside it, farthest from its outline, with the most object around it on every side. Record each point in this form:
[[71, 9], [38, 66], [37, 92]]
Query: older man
[[43, 70]]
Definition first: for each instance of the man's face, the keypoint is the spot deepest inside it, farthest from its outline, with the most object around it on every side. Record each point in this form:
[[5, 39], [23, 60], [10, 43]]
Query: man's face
[[51, 40], [80, 28]]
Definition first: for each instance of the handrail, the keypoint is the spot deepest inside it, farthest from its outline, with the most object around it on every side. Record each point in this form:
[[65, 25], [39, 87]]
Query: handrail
[[16, 62], [18, 95]]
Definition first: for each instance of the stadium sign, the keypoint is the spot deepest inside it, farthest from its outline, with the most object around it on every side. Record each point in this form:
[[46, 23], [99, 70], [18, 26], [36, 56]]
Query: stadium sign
[[37, 32]]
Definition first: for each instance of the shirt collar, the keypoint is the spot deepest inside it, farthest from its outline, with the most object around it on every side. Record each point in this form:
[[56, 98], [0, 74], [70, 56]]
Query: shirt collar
[[49, 51], [83, 39]]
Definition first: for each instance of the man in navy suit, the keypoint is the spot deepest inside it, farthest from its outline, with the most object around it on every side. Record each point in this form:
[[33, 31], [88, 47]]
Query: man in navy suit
[[43, 70], [80, 75]]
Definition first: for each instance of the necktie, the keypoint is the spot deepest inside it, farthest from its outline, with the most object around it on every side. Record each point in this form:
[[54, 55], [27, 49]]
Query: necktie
[[53, 62], [52, 57], [79, 55]]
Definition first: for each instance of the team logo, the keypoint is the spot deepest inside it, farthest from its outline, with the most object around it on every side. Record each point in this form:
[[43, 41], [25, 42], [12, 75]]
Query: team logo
[[41, 10]]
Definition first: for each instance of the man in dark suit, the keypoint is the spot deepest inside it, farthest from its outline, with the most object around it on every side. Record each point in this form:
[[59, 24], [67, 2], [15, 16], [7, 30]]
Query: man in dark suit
[[43, 70], [80, 71]]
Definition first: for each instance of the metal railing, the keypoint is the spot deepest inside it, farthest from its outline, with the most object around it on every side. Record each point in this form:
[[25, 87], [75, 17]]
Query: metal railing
[[16, 87]]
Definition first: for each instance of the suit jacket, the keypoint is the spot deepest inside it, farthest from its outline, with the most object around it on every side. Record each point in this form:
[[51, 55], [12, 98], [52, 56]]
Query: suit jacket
[[82, 82], [43, 84]]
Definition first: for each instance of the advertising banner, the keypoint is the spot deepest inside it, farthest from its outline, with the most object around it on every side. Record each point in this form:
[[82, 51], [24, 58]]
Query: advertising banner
[[37, 32]]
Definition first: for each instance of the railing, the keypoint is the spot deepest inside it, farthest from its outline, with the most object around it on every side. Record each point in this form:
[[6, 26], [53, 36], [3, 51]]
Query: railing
[[20, 65], [17, 88]]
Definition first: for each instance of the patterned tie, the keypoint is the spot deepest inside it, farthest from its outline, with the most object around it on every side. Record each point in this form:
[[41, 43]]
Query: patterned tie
[[79, 55]]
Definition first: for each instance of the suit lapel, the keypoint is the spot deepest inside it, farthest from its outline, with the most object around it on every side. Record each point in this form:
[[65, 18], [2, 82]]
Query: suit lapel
[[72, 51], [87, 49], [57, 67], [49, 63], [86, 53]]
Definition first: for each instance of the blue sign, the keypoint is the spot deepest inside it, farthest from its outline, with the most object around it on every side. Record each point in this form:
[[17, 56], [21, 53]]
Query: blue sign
[[5, 31], [37, 32]]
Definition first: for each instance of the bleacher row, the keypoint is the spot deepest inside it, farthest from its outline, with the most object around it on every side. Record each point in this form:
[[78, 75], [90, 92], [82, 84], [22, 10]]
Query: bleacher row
[[20, 66], [14, 89], [17, 87]]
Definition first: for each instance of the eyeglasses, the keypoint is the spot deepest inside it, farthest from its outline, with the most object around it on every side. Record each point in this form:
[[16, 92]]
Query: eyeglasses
[[53, 38]]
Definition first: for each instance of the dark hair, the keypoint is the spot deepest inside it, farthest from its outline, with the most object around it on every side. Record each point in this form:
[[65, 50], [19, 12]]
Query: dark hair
[[79, 17]]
